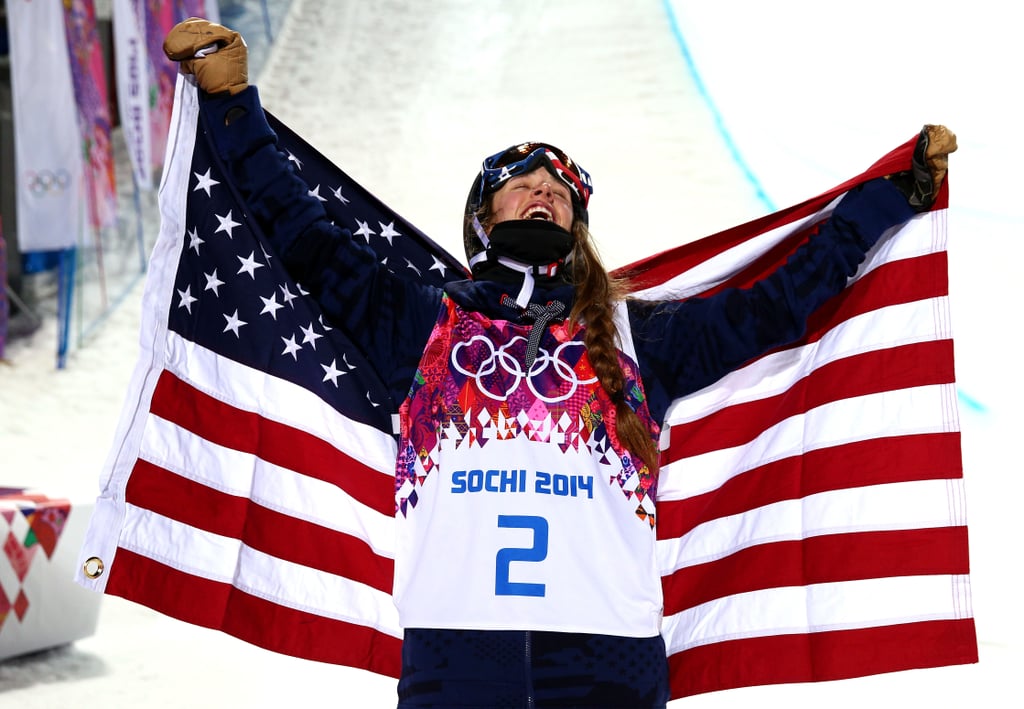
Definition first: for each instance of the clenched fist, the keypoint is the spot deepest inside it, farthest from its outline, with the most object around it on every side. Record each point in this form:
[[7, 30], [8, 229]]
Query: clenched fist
[[941, 142], [214, 54], [920, 184]]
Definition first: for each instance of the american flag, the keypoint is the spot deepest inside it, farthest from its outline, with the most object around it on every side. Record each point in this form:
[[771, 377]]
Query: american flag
[[811, 512], [811, 515]]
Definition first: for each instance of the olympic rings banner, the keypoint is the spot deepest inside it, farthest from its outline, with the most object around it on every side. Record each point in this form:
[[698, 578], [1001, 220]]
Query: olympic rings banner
[[47, 140]]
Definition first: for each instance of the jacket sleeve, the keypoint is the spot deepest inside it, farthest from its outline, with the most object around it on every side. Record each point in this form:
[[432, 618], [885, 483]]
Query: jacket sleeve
[[683, 346], [387, 317]]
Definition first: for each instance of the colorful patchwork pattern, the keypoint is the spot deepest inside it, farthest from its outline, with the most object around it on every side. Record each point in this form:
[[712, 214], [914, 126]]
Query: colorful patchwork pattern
[[472, 387], [33, 522]]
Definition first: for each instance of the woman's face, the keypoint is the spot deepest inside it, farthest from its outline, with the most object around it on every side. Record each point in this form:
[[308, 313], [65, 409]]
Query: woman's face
[[535, 195]]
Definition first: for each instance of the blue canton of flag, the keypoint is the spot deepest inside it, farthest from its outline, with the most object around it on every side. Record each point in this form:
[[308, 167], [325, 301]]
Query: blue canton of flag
[[234, 297]]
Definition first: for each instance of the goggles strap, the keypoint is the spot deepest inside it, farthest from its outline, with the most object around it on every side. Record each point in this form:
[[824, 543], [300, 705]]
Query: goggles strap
[[478, 229], [481, 256]]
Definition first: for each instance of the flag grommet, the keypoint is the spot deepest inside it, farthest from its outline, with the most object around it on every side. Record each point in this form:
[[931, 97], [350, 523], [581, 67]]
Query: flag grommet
[[93, 567]]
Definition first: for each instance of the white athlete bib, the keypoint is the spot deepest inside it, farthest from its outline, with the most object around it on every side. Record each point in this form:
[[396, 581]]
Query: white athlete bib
[[515, 509]]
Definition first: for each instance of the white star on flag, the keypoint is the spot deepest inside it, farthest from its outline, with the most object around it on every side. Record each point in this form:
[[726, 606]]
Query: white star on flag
[[270, 305], [287, 294], [234, 323], [341, 198], [364, 230], [291, 347], [438, 265], [308, 335], [186, 299], [388, 232], [332, 372], [213, 283], [193, 240], [205, 182], [249, 265], [227, 224]]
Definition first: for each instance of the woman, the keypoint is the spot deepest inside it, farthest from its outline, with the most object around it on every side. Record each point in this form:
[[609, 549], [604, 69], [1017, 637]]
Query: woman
[[526, 477]]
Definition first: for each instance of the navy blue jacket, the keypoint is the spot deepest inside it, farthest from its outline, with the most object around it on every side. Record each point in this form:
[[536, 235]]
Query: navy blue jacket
[[681, 346]]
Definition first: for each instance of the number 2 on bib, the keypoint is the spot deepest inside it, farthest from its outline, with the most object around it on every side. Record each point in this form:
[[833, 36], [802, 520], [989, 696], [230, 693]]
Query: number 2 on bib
[[538, 552]]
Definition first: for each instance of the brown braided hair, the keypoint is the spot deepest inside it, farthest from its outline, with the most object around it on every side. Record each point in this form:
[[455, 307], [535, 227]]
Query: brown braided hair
[[596, 295]]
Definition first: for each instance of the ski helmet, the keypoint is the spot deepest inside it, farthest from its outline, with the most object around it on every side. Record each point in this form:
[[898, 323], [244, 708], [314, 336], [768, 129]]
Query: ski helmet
[[519, 160]]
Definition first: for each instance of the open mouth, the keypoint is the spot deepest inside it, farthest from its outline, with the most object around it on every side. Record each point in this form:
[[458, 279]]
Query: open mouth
[[538, 212]]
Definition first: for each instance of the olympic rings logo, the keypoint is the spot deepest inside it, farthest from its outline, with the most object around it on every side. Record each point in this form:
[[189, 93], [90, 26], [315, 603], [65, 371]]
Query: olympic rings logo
[[47, 181], [502, 357]]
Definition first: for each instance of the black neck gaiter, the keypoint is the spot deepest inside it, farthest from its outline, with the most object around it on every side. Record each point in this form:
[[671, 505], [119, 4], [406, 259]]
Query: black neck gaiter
[[531, 241]]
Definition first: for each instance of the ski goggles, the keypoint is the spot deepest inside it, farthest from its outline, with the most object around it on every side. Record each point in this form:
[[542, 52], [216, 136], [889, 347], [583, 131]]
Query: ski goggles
[[525, 157]]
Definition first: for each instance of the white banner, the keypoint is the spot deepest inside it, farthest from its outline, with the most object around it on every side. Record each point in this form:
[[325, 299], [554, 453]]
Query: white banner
[[47, 140], [132, 75]]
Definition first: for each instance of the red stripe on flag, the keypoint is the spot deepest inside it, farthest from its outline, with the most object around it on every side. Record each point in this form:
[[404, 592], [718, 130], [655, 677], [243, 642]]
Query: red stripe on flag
[[280, 535], [859, 375], [900, 281], [816, 657], [932, 456], [664, 266], [221, 606], [276, 443], [895, 283], [828, 558]]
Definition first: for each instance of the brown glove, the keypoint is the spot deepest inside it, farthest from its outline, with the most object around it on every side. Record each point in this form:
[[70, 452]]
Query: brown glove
[[941, 142], [216, 55], [920, 184]]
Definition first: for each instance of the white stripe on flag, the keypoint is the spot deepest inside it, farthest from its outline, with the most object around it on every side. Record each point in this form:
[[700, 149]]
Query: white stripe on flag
[[250, 389], [227, 560], [923, 234], [891, 326], [891, 413], [820, 607], [920, 504], [276, 488], [719, 268]]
